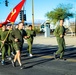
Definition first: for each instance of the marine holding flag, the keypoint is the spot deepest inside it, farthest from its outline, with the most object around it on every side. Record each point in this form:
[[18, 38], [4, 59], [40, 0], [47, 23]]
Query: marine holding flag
[[11, 18], [17, 44]]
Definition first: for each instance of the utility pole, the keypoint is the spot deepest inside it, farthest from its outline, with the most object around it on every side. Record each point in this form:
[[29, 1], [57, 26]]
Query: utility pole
[[33, 14], [75, 25]]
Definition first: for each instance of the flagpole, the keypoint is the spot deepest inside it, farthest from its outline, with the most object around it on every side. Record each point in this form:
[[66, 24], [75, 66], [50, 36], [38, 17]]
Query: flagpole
[[5, 40], [33, 14]]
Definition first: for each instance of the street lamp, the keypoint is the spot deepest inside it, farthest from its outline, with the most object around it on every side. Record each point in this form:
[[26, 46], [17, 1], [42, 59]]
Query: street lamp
[[33, 14]]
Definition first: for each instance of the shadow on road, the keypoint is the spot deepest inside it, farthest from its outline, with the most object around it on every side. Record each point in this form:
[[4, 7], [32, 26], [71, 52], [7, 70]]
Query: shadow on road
[[40, 50], [43, 50]]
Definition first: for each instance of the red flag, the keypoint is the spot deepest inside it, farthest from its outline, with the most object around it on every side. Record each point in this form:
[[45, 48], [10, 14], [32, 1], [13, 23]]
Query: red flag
[[14, 13]]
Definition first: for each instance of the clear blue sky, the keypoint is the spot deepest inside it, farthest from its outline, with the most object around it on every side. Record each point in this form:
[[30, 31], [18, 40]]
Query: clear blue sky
[[40, 8]]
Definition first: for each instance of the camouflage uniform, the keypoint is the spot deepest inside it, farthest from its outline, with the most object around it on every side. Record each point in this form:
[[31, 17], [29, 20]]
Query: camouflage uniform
[[4, 46], [60, 30], [31, 34], [19, 34]]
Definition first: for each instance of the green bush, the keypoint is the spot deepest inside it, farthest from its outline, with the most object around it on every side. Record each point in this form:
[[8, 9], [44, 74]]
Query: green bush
[[37, 29]]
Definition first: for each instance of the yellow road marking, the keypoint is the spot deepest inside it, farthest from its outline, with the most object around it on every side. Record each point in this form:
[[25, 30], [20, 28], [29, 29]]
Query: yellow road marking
[[48, 56], [69, 60]]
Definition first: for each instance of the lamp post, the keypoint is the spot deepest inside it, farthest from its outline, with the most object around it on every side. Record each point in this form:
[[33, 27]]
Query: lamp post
[[33, 14]]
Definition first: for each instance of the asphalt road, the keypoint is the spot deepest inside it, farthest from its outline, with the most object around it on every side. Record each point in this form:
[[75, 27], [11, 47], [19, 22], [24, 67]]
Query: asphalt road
[[42, 62]]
